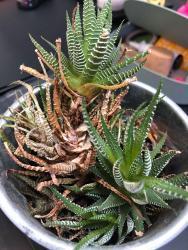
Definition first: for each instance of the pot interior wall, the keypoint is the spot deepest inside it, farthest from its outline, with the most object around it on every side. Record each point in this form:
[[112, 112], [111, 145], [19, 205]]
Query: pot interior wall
[[167, 120]]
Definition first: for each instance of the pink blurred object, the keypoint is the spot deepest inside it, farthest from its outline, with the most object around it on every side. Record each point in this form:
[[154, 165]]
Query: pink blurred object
[[179, 79], [183, 9]]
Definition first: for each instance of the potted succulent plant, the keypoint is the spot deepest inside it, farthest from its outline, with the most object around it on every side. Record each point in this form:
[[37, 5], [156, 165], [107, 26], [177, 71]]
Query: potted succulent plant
[[93, 170]]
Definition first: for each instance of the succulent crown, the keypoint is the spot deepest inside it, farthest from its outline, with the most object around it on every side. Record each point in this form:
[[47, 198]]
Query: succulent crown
[[93, 59], [131, 164]]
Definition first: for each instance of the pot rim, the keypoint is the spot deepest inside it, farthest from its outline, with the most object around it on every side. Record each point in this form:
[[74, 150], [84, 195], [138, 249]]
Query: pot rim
[[53, 242]]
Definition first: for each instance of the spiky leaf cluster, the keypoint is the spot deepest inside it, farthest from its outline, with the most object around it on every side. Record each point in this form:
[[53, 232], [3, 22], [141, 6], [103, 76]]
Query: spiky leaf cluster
[[130, 164], [126, 182], [105, 203], [93, 60]]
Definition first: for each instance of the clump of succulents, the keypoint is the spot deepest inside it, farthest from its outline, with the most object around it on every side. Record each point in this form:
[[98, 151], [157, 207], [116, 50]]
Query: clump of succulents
[[89, 170]]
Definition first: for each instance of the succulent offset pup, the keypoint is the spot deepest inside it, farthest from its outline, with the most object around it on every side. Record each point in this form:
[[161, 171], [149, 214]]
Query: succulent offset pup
[[104, 165]]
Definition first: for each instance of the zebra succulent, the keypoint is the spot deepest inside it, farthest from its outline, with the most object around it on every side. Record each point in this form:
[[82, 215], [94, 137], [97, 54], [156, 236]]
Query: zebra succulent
[[93, 61], [126, 186], [51, 139], [55, 134], [87, 167], [130, 165]]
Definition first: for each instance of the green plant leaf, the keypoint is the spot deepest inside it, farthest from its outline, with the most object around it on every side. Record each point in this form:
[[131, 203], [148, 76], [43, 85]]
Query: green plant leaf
[[107, 59], [147, 162], [65, 224], [158, 146], [154, 199], [123, 213], [112, 201], [112, 142], [143, 130], [50, 59], [138, 222], [73, 207], [129, 138], [104, 163], [160, 163], [112, 70], [179, 180], [78, 26], [95, 57], [91, 237], [94, 135], [117, 174], [70, 39], [89, 19], [120, 77], [164, 187], [106, 237]]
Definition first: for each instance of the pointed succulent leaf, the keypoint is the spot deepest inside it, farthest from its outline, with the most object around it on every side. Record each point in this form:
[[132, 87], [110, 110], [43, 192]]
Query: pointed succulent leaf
[[73, 207], [91, 237], [89, 19], [116, 68], [88, 187], [106, 237], [65, 224], [135, 168], [113, 144], [94, 135], [180, 179], [160, 163], [144, 212], [164, 187], [112, 60], [49, 43], [94, 196], [100, 24], [122, 76], [154, 199], [140, 198], [130, 225], [123, 213], [108, 217], [70, 38], [49, 58], [64, 59], [79, 59], [110, 47], [129, 135], [158, 146], [117, 174], [138, 222], [78, 26], [143, 130], [112, 201], [104, 163], [147, 163], [95, 58], [42, 96]]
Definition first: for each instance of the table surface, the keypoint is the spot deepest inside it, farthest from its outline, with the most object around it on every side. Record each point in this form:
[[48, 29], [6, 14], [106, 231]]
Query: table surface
[[15, 48]]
